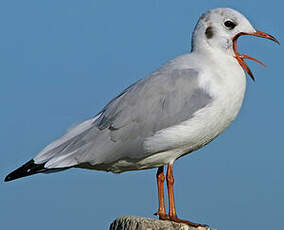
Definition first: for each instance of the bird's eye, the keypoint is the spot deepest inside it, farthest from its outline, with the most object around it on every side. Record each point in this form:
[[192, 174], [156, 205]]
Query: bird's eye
[[229, 24]]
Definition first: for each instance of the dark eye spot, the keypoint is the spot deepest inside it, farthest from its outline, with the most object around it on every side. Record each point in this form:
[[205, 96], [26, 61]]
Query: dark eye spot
[[209, 32], [229, 24]]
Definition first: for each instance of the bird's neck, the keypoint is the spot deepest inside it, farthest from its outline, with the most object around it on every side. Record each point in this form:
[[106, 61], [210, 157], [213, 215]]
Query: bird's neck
[[221, 45]]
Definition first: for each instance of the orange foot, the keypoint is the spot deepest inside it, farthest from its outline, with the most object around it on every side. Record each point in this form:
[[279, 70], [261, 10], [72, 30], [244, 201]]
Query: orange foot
[[177, 220], [162, 216]]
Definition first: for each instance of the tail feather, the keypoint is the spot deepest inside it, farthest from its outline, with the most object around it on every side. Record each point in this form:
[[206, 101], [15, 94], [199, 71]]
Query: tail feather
[[57, 156], [27, 169]]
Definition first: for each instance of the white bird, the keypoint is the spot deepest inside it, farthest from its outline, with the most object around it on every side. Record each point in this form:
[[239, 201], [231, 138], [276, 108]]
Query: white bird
[[174, 111]]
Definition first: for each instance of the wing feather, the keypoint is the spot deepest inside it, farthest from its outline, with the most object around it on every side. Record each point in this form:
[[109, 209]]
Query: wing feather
[[163, 99]]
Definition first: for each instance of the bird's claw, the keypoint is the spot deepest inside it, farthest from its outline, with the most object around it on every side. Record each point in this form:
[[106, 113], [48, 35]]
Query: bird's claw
[[162, 216], [187, 222]]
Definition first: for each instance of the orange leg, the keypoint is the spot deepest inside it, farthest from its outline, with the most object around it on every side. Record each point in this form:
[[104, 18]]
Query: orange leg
[[160, 182], [172, 211], [170, 183]]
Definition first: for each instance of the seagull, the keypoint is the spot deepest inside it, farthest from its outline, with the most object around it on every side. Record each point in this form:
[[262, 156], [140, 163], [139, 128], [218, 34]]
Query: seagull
[[177, 109]]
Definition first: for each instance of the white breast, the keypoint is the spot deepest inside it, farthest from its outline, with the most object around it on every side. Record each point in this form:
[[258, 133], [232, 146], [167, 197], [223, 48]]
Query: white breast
[[226, 84]]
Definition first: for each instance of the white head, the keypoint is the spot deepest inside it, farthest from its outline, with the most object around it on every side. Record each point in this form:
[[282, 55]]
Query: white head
[[218, 29]]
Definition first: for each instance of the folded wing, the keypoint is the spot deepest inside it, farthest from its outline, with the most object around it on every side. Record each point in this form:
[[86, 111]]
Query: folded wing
[[162, 100]]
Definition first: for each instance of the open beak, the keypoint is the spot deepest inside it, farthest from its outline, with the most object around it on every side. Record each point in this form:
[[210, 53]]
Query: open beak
[[241, 58]]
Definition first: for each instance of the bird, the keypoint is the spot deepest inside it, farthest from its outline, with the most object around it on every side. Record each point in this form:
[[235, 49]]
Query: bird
[[176, 110]]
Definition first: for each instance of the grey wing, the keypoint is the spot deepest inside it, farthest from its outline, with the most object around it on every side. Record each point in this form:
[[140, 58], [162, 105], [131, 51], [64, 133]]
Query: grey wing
[[163, 99]]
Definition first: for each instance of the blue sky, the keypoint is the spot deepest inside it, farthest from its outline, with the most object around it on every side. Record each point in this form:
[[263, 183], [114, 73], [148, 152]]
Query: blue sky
[[62, 61]]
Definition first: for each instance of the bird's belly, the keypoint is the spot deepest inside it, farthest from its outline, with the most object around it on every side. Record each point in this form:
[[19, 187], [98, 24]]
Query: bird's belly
[[169, 144], [206, 124]]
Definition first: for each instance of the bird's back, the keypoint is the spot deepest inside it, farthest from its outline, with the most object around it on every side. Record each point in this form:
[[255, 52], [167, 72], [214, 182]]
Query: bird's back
[[164, 99]]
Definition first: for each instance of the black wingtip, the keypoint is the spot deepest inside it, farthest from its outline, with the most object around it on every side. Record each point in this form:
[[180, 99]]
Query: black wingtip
[[27, 169], [8, 178]]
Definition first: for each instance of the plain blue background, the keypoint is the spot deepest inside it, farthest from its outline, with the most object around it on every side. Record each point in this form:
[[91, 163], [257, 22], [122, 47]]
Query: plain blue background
[[62, 61]]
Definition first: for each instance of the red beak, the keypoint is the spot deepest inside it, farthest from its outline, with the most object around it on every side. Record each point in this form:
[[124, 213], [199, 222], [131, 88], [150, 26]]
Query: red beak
[[241, 58]]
